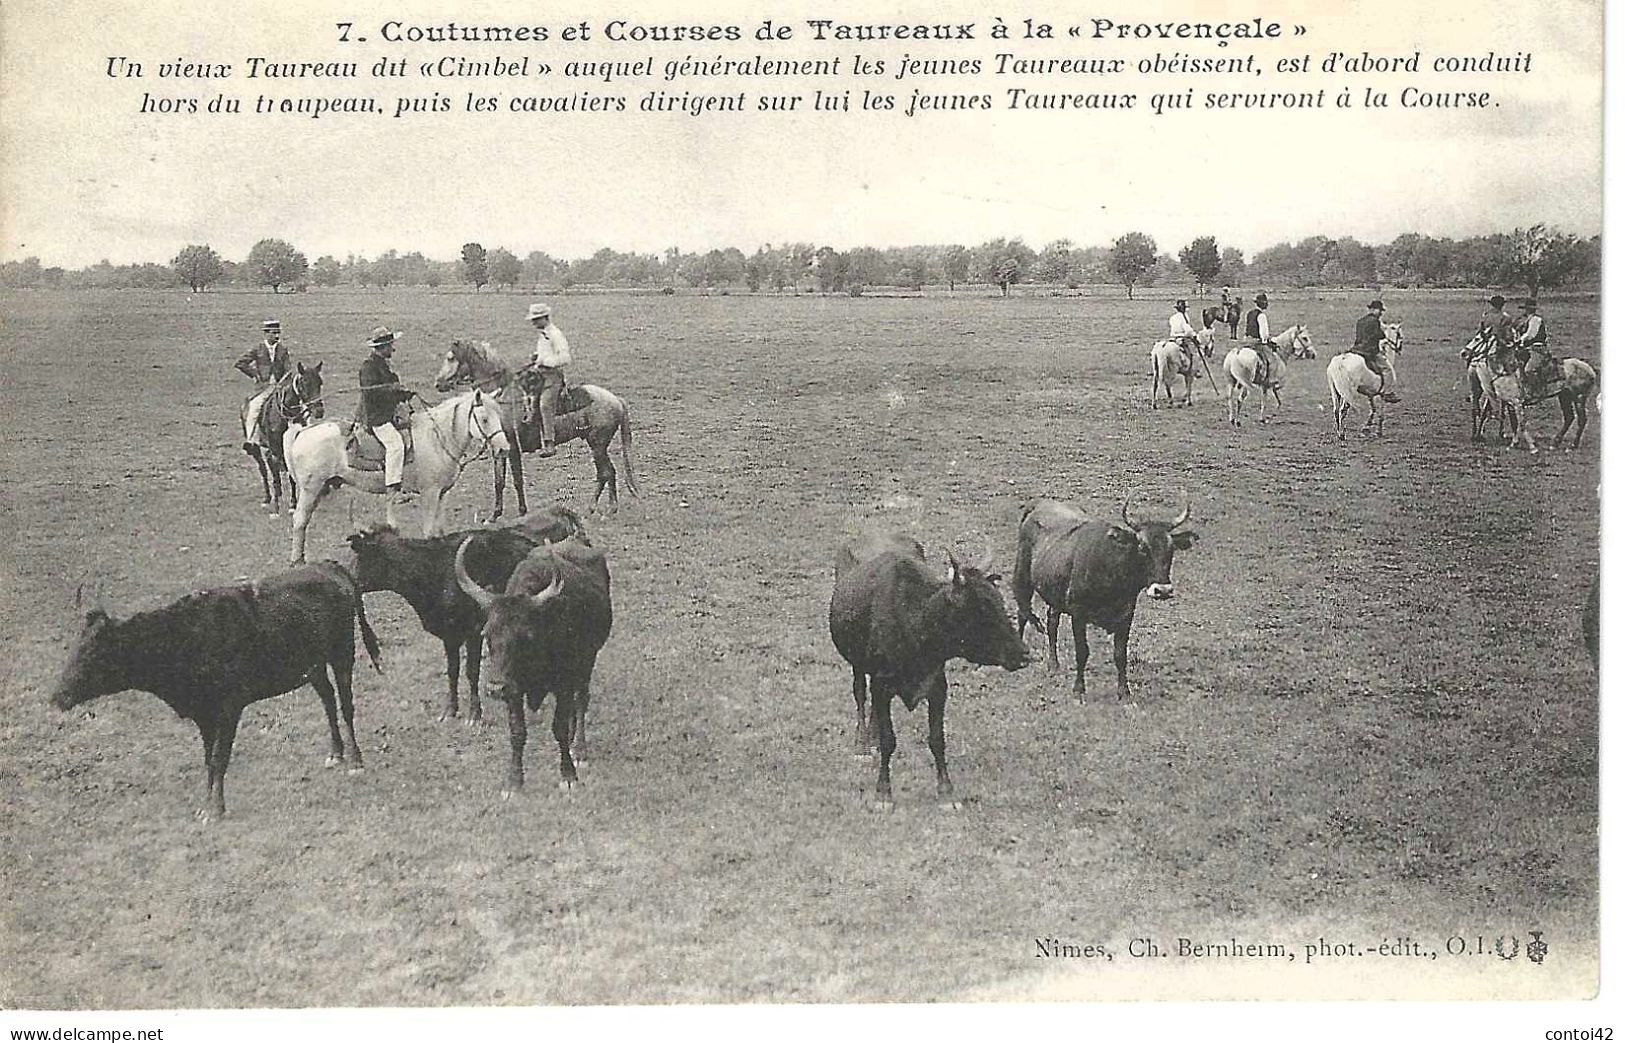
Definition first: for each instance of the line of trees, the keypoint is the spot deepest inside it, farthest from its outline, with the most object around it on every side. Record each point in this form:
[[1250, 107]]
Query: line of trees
[[1535, 257]]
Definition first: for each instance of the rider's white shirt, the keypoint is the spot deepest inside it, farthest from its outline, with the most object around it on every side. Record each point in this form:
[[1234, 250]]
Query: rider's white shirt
[[1263, 325], [1531, 330], [1179, 326], [552, 349]]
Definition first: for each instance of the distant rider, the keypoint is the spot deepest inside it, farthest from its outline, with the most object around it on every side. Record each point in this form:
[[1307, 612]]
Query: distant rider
[[1369, 335], [1181, 332], [1258, 338]]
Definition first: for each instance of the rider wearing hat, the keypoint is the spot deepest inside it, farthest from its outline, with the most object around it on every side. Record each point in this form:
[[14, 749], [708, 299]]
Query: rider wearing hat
[[267, 361], [551, 356], [1531, 328], [1181, 331], [381, 395], [1498, 325], [1368, 338], [1258, 338]]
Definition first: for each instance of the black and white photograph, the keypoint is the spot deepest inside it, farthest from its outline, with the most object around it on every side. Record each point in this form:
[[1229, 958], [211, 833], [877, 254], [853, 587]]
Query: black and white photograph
[[521, 507]]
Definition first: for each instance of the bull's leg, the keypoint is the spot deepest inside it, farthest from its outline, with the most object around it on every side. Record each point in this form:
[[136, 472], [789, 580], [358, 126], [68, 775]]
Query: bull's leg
[[880, 696], [342, 669], [224, 736], [862, 736], [563, 721], [1080, 643], [330, 707], [516, 742], [1052, 627], [476, 712], [578, 725], [454, 651], [936, 703], [1120, 659], [207, 729]]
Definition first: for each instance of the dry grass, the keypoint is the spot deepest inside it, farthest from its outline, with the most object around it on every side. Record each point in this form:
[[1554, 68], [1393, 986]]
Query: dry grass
[[1367, 706]]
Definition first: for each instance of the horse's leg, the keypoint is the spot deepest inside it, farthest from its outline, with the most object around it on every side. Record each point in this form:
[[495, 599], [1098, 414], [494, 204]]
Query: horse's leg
[[301, 522], [1564, 400], [1581, 412], [431, 521], [606, 475], [258, 456], [499, 469], [516, 456], [1156, 378]]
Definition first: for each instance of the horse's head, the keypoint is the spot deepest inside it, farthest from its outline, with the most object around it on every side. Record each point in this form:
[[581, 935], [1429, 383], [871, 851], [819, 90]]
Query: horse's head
[[454, 368], [307, 388], [1394, 336], [485, 422]]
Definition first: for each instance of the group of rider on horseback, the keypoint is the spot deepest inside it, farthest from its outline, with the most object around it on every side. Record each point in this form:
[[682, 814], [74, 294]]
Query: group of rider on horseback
[[1515, 346], [383, 396]]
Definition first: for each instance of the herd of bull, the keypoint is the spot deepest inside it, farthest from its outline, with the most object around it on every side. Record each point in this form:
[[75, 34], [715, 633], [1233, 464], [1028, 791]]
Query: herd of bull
[[535, 598]]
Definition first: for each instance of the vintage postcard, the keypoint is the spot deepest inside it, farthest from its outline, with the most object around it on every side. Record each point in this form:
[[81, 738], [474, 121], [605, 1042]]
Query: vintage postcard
[[729, 429]]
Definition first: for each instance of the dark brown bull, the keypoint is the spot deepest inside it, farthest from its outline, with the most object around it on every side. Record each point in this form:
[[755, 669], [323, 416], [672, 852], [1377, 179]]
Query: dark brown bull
[[211, 654], [543, 635], [898, 624], [1093, 572], [421, 571]]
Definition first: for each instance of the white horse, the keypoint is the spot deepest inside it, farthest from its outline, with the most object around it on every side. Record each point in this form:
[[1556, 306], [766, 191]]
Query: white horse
[[1168, 360], [1347, 375], [442, 437], [1242, 367]]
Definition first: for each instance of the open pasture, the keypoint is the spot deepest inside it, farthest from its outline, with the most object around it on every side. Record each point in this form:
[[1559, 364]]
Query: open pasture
[[1367, 711]]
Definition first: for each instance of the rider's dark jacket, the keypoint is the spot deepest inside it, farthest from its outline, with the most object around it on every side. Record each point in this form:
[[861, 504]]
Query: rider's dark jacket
[[380, 391]]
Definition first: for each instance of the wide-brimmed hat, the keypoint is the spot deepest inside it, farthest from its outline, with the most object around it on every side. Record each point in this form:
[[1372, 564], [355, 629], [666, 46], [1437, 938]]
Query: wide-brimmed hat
[[1376, 306], [1262, 298], [271, 326], [382, 335], [1529, 304], [538, 311], [1497, 301]]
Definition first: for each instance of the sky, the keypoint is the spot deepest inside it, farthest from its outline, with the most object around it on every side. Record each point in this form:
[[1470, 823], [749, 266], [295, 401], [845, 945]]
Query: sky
[[86, 176]]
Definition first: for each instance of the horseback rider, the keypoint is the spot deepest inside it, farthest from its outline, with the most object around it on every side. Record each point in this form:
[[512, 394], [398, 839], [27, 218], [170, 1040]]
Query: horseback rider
[[1258, 338], [1181, 331], [551, 356], [1530, 346], [1368, 340], [1497, 326], [381, 395], [267, 361]]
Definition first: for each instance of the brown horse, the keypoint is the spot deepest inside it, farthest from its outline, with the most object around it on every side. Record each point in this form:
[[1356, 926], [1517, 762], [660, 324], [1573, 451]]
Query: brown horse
[[266, 417], [588, 412], [473, 362]]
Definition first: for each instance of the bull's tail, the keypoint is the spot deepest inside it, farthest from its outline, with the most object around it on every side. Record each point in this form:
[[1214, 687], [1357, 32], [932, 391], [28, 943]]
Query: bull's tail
[[626, 446], [369, 640]]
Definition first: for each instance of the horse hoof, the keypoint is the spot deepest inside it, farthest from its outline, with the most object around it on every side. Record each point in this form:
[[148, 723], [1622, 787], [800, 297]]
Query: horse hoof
[[950, 804], [354, 770], [883, 806], [332, 761], [568, 785], [507, 794]]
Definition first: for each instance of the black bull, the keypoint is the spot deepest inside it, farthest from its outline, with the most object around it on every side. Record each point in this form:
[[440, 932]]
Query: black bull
[[898, 624], [1094, 572], [210, 654]]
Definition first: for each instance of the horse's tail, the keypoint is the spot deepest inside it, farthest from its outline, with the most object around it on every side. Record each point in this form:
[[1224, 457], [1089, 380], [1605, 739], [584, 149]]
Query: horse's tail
[[626, 445]]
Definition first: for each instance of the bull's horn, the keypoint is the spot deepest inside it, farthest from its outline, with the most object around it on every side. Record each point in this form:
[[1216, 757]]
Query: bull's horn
[[953, 568], [1184, 515], [1128, 521], [482, 597], [552, 590]]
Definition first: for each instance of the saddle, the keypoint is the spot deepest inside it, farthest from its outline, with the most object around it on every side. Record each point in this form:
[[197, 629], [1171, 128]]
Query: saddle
[[363, 451]]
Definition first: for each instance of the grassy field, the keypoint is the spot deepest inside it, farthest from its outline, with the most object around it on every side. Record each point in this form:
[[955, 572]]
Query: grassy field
[[1366, 714]]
